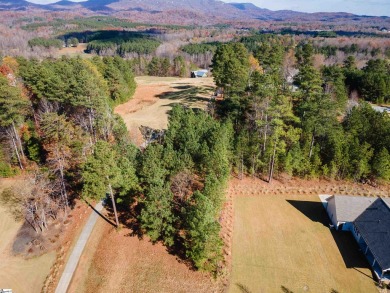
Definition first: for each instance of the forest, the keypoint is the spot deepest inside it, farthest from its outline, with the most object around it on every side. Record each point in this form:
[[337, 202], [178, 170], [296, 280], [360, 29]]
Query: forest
[[307, 129], [58, 127]]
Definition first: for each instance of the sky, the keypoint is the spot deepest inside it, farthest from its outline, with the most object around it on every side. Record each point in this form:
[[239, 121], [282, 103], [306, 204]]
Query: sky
[[361, 7]]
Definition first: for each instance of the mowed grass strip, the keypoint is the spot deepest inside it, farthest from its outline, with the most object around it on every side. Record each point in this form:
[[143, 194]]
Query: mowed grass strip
[[284, 241]]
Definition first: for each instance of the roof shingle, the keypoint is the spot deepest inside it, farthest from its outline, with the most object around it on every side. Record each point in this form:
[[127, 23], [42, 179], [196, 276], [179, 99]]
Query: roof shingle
[[374, 226]]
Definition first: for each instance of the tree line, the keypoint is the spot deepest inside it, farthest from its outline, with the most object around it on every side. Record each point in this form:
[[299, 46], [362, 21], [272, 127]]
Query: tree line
[[306, 128], [140, 46], [46, 43], [372, 82]]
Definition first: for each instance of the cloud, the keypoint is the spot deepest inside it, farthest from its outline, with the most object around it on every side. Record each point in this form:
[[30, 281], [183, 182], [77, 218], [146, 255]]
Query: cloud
[[50, 1]]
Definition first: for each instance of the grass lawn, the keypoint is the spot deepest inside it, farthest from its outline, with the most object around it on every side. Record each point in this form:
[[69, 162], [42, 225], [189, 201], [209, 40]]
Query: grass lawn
[[284, 241]]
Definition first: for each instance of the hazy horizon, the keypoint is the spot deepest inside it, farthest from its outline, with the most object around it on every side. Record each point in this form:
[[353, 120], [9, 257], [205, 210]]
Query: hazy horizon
[[360, 7]]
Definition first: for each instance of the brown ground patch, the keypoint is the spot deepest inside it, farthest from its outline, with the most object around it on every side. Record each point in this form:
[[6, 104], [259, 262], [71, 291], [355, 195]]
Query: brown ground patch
[[72, 51], [122, 263], [154, 98], [287, 185]]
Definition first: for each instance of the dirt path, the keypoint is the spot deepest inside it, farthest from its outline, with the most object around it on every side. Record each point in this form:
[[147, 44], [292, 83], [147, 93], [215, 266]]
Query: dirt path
[[154, 98]]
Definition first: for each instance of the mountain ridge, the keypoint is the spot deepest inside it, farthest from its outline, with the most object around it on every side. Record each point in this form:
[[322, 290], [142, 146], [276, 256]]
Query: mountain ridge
[[205, 11]]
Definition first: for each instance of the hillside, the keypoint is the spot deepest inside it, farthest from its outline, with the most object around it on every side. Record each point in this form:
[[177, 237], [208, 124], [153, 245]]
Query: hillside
[[17, 5], [189, 11]]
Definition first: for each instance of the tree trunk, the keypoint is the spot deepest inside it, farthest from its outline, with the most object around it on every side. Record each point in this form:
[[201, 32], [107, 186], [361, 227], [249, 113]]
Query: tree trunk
[[253, 165], [18, 141], [265, 132], [62, 178], [242, 167], [43, 217], [271, 173], [311, 144], [15, 148], [113, 204], [31, 224], [91, 121]]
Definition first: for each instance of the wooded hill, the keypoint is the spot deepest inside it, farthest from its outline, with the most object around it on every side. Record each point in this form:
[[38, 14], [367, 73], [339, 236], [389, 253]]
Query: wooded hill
[[196, 12]]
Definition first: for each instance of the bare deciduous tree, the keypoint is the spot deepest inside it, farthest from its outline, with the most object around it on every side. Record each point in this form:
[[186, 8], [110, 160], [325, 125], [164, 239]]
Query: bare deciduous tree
[[32, 201]]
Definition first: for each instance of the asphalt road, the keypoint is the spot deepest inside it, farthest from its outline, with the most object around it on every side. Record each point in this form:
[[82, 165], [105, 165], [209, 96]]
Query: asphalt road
[[77, 251]]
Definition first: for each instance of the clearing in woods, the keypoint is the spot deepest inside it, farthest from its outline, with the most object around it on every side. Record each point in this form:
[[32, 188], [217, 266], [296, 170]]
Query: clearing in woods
[[17, 273], [74, 51], [154, 98], [282, 238]]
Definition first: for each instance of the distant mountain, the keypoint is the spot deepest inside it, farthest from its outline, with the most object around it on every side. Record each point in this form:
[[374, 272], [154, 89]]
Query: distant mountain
[[210, 8], [16, 5], [182, 11]]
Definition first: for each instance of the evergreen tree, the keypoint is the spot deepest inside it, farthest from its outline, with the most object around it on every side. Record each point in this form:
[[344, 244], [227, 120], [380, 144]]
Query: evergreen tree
[[202, 241], [231, 68], [101, 174], [381, 164], [156, 216], [13, 109]]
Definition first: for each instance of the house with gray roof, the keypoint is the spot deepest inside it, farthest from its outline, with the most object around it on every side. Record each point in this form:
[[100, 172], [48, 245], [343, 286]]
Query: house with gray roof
[[368, 219], [372, 231], [199, 73], [344, 209]]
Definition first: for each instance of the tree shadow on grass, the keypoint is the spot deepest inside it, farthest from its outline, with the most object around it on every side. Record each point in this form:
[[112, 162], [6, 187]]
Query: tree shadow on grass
[[101, 215], [187, 93], [347, 246], [183, 87], [285, 289], [243, 288]]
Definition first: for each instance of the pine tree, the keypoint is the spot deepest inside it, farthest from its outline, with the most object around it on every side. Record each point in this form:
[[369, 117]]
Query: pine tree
[[156, 217], [202, 241], [381, 164], [12, 110], [101, 174], [231, 67]]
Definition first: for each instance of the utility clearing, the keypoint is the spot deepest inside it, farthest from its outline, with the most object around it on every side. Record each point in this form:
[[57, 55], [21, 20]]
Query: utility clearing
[[155, 96]]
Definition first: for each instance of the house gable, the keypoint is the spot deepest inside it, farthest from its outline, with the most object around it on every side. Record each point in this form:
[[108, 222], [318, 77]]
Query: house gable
[[345, 209]]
